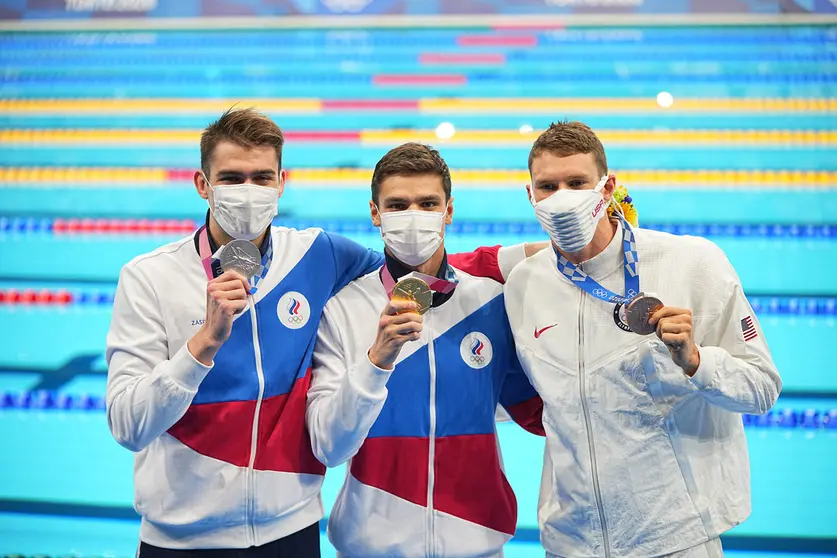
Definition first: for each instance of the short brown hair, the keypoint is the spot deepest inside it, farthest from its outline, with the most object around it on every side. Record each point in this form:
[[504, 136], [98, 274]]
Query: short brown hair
[[245, 127], [410, 159], [569, 138]]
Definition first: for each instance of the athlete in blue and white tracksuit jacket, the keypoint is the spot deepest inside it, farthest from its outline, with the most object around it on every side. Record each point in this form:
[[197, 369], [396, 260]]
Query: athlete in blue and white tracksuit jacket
[[425, 476], [223, 458]]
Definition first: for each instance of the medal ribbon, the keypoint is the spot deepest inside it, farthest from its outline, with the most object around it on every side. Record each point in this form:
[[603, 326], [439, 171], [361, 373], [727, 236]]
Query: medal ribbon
[[205, 253], [210, 262], [436, 285], [591, 286]]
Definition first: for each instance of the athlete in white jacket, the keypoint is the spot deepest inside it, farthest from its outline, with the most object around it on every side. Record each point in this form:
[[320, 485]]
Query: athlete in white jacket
[[409, 398], [644, 350], [208, 372]]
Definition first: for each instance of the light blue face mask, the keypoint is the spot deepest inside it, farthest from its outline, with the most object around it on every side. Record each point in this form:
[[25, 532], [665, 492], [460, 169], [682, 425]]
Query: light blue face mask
[[570, 217]]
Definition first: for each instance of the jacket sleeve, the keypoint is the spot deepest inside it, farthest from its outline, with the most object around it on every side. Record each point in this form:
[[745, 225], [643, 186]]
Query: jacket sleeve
[[351, 260], [147, 392], [736, 371], [520, 400], [344, 399], [493, 262]]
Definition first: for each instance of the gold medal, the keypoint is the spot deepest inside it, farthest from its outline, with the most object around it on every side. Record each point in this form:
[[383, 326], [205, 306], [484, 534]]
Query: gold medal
[[414, 290]]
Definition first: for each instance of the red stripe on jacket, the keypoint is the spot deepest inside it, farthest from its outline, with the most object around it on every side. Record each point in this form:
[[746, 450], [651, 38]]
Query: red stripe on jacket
[[223, 431]]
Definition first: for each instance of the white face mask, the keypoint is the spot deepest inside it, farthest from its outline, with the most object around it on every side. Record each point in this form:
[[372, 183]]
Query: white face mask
[[570, 217], [244, 211], [412, 236]]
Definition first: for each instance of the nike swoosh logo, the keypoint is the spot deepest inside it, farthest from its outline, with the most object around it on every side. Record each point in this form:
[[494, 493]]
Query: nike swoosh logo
[[539, 332]]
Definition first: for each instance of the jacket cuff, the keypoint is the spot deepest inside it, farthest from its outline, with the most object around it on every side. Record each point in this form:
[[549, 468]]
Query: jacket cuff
[[187, 371], [510, 256], [369, 381], [704, 377]]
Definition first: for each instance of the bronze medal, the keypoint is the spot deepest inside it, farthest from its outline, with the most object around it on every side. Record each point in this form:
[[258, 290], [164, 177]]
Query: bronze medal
[[638, 311]]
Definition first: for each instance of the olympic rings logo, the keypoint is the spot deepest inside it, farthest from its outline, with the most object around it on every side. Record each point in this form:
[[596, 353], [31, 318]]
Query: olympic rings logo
[[293, 310], [477, 359], [601, 293]]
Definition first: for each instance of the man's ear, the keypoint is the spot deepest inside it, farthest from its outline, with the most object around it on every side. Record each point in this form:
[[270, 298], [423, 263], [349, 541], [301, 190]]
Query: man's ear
[[201, 184], [374, 213], [283, 175], [609, 187]]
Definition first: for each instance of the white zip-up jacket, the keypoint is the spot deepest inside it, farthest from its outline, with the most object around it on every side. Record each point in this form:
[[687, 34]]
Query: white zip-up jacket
[[425, 476], [223, 457], [641, 460]]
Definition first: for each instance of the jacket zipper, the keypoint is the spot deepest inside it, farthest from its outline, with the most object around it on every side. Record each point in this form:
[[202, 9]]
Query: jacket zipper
[[249, 475], [431, 472], [586, 412]]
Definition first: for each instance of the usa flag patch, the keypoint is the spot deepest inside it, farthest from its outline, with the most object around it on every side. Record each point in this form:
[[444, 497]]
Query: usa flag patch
[[748, 328]]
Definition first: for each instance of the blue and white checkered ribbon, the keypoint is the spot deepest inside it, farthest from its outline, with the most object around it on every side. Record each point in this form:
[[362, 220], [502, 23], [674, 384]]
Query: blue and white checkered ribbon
[[266, 261], [591, 286]]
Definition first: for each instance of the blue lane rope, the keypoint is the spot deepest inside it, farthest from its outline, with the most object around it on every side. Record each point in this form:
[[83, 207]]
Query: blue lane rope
[[59, 401], [34, 225], [762, 305]]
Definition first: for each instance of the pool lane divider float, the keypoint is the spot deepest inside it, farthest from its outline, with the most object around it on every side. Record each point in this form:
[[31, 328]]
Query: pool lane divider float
[[58, 401], [547, 106]]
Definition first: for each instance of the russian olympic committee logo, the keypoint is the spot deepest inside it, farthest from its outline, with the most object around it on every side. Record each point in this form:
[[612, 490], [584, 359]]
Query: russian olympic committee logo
[[476, 350], [293, 310]]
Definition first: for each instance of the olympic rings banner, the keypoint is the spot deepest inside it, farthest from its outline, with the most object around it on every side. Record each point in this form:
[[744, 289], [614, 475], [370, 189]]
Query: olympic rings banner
[[81, 9]]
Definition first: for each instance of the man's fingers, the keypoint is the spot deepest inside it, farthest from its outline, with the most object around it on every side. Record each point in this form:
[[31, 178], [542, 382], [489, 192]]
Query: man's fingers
[[230, 285], [670, 326], [668, 311], [238, 294], [231, 277], [399, 319], [407, 328], [395, 307]]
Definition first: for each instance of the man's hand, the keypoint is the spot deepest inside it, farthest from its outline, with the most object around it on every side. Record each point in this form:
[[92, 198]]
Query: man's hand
[[226, 296], [399, 323], [674, 328]]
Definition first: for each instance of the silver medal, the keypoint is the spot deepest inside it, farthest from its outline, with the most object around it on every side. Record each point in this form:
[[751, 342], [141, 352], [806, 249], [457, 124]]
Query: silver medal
[[241, 256], [638, 312]]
